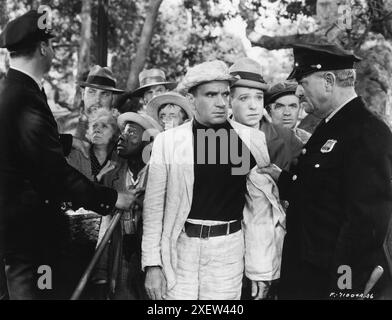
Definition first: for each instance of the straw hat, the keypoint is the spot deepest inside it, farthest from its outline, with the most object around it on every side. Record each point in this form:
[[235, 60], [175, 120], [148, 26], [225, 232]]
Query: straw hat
[[205, 72], [168, 98]]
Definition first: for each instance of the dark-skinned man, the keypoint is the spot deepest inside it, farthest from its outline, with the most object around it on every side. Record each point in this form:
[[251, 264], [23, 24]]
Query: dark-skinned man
[[118, 275]]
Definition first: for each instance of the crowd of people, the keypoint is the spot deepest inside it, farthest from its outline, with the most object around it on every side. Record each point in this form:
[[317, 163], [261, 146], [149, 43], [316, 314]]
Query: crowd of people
[[223, 196]]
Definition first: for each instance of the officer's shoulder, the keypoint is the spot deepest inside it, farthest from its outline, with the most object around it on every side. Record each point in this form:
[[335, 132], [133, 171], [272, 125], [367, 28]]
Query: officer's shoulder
[[374, 131]]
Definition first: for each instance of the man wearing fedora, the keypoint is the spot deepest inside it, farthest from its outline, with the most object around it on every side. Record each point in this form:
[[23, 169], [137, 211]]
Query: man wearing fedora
[[247, 102], [34, 175], [340, 190], [169, 109], [97, 93], [118, 272], [199, 226], [152, 83]]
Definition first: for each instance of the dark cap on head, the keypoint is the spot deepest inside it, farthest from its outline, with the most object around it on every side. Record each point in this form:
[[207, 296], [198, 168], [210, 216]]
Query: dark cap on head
[[312, 57], [23, 32], [279, 90]]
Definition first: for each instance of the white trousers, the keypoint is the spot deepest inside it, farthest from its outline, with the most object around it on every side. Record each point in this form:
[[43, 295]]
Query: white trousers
[[209, 269]]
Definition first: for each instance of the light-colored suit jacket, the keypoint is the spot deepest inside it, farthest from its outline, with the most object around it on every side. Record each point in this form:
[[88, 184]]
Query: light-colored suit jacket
[[168, 202]]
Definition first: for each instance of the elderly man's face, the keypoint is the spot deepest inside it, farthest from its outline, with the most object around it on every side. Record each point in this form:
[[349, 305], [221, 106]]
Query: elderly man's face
[[211, 102], [95, 99], [285, 111], [131, 140], [313, 89], [152, 92], [170, 116], [247, 105], [100, 131]]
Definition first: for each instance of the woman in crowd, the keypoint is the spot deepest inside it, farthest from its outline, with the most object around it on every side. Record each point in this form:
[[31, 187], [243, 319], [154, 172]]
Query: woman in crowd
[[103, 133]]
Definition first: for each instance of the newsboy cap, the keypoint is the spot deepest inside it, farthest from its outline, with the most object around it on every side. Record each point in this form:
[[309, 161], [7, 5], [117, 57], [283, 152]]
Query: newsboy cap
[[312, 57], [249, 74], [215, 70], [278, 90], [23, 32]]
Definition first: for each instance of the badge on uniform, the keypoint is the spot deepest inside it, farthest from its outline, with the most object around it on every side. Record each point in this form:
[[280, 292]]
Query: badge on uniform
[[328, 146]]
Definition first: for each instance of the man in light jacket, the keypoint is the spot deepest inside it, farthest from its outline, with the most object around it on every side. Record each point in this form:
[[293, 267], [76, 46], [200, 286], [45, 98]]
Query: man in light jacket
[[198, 220]]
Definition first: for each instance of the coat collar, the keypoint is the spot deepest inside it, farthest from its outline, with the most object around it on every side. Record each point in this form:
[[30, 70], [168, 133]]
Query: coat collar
[[15, 75]]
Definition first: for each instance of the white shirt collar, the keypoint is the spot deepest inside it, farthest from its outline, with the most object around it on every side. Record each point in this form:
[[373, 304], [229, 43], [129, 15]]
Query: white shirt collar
[[39, 83], [340, 107]]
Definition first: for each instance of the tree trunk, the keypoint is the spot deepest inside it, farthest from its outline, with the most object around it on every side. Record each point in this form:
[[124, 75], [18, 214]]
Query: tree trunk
[[84, 48], [144, 43], [102, 34]]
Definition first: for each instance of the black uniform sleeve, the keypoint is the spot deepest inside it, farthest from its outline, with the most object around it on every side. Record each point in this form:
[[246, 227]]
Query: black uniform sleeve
[[285, 184], [368, 205], [66, 143], [296, 145], [47, 168]]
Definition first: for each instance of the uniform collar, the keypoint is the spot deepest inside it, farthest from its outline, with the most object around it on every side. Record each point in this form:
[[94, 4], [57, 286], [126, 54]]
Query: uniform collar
[[37, 81], [340, 107]]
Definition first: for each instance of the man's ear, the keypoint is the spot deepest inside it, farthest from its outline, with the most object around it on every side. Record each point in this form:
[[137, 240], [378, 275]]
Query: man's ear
[[43, 50], [330, 81]]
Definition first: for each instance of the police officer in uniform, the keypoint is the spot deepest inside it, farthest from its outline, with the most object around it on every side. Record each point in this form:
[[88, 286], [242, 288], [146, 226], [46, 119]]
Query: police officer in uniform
[[34, 175], [340, 190]]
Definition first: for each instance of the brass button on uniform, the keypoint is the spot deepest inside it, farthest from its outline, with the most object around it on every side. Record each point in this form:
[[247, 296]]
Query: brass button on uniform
[[303, 151], [317, 165], [295, 177]]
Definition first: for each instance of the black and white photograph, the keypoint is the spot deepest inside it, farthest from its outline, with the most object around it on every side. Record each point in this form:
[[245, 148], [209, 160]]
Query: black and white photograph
[[196, 156]]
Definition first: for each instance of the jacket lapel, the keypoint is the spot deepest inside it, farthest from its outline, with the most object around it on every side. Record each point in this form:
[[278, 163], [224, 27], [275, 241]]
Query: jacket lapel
[[255, 141]]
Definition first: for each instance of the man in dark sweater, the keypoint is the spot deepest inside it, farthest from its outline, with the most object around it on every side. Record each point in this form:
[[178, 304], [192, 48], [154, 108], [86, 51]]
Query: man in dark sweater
[[193, 242]]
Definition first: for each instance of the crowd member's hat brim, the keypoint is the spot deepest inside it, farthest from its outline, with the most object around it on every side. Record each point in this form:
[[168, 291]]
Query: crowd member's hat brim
[[248, 83], [310, 58], [101, 78], [102, 87], [141, 90], [155, 103], [279, 90], [248, 73], [144, 120], [24, 32]]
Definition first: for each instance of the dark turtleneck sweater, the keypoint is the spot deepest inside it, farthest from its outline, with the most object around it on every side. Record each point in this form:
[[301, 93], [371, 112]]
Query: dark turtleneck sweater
[[218, 192]]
